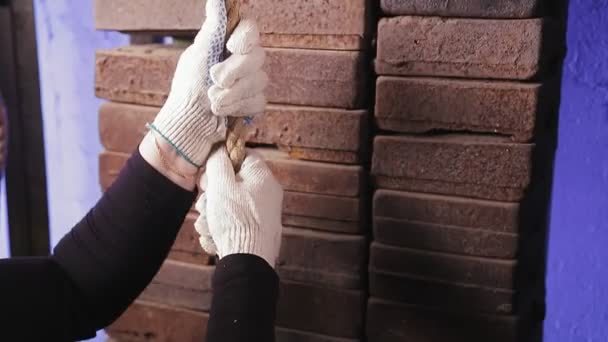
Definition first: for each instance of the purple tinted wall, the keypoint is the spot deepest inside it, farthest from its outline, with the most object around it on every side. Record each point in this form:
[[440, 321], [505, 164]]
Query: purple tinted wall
[[577, 277]]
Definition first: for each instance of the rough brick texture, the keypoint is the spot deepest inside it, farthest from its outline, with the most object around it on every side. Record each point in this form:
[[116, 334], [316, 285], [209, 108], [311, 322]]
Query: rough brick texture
[[145, 321], [487, 272], [313, 177], [471, 48], [325, 311], [317, 24], [323, 207], [405, 104], [447, 224], [334, 260], [494, 216], [323, 134], [289, 335], [443, 295], [142, 75], [463, 8], [182, 285], [334, 135], [391, 322], [472, 166], [432, 237]]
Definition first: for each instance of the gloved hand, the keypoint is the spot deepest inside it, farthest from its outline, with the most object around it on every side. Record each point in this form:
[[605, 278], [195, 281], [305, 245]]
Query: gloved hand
[[203, 92], [240, 214]]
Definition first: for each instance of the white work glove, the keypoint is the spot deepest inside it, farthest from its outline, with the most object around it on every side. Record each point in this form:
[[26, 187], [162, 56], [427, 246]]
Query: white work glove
[[240, 214], [192, 119]]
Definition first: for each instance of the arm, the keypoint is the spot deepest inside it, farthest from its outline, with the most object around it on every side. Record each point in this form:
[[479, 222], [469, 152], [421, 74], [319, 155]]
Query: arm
[[245, 293], [101, 266], [241, 221]]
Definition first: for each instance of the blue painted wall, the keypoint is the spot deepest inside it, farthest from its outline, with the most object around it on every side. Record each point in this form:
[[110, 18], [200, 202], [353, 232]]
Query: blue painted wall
[[66, 51], [577, 278]]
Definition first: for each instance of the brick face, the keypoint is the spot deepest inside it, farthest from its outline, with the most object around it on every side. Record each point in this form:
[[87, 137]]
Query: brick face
[[472, 48], [326, 259], [321, 310], [142, 75], [145, 321], [323, 207], [487, 272], [391, 322], [317, 24], [473, 166], [182, 285], [417, 105], [443, 295], [443, 238], [463, 8], [500, 217]]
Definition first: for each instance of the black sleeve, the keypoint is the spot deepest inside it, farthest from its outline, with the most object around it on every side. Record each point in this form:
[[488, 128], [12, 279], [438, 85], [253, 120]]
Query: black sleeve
[[245, 293], [101, 266]]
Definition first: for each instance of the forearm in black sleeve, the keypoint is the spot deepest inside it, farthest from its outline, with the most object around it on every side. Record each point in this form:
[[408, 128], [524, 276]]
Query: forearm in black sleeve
[[245, 293], [115, 251]]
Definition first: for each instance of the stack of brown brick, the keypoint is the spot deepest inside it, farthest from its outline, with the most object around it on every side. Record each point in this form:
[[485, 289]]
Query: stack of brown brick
[[314, 135], [460, 100]]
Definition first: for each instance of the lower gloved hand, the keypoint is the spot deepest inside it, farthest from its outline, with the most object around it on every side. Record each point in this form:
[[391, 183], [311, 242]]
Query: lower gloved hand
[[240, 213], [205, 90]]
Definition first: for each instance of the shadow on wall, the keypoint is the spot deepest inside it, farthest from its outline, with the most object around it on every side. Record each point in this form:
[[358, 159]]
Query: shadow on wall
[[536, 206]]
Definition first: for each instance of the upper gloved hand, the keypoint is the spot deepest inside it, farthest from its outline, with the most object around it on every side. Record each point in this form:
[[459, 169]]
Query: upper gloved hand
[[204, 91], [240, 213]]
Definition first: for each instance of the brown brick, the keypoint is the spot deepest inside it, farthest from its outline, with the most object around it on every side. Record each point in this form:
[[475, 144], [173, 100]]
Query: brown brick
[[405, 104], [473, 166], [441, 238], [320, 310], [325, 224], [179, 284], [317, 24], [145, 321], [501, 217], [142, 74], [187, 247], [447, 224], [313, 177], [471, 48], [463, 8], [323, 207], [312, 128], [326, 259], [442, 295], [289, 335], [294, 175], [391, 322], [487, 272], [122, 126]]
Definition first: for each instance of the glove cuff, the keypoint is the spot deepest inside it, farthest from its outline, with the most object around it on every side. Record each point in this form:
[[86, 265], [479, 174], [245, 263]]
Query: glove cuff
[[189, 131], [245, 242]]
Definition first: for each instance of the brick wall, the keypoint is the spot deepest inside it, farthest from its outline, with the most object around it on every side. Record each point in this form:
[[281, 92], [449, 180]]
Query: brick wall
[[454, 200]]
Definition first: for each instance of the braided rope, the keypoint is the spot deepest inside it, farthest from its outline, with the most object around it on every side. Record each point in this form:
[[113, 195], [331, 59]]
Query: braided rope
[[235, 141], [229, 17]]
